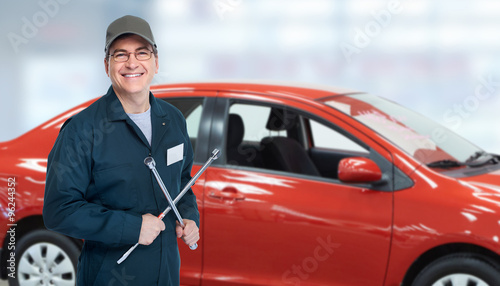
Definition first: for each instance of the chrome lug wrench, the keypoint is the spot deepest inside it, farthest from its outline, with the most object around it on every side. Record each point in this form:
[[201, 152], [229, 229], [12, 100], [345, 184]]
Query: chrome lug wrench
[[150, 162], [215, 155]]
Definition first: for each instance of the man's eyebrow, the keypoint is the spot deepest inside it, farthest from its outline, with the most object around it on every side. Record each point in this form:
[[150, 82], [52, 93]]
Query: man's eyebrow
[[123, 50], [119, 50]]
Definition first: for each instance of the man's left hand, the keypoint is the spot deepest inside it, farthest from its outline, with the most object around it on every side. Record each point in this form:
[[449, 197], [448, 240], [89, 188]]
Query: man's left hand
[[190, 234]]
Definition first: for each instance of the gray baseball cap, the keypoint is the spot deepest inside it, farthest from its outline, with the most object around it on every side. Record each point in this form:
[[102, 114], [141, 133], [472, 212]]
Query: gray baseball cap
[[129, 25]]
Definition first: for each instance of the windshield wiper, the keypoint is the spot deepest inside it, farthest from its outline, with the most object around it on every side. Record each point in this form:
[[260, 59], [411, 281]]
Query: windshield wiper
[[445, 164], [476, 161], [475, 156]]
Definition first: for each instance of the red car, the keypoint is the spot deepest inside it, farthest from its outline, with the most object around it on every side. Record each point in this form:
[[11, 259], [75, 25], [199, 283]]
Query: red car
[[313, 187]]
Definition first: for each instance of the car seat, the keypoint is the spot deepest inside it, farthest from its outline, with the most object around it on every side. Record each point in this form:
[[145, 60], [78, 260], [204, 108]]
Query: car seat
[[234, 151], [283, 153]]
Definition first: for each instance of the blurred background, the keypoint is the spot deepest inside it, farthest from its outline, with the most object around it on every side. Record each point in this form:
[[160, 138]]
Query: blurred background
[[439, 58]]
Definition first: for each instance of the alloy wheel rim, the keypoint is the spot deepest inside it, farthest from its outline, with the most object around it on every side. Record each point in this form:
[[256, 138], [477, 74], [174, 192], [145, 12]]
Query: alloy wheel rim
[[460, 279], [45, 264]]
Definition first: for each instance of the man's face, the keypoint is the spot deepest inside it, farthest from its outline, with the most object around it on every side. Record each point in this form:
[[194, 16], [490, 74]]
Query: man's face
[[132, 77]]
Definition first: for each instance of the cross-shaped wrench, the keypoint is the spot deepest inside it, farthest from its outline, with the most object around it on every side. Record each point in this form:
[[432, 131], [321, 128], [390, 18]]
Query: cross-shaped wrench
[[150, 162], [215, 155]]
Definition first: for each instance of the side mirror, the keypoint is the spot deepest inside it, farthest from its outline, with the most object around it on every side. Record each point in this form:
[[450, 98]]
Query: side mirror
[[358, 170]]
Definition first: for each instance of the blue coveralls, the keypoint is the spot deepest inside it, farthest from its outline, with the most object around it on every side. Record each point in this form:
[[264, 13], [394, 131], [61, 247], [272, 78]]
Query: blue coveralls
[[98, 188]]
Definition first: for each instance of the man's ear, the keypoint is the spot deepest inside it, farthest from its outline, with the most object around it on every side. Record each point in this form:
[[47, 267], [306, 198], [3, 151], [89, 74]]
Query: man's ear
[[157, 64], [106, 66]]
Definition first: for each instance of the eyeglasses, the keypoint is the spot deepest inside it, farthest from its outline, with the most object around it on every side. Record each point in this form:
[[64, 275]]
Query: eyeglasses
[[140, 55]]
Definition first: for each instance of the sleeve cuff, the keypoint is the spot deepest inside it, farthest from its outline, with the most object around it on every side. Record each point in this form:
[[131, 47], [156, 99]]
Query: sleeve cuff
[[131, 229]]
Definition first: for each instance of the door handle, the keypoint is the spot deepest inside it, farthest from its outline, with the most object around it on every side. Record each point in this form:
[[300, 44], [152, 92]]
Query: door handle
[[229, 193]]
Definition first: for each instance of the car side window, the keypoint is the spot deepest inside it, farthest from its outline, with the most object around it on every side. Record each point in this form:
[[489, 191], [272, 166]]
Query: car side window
[[193, 122], [327, 138], [192, 109], [280, 139]]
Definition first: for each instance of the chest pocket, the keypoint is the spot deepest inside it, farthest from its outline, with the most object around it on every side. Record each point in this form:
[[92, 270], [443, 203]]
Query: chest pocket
[[117, 187]]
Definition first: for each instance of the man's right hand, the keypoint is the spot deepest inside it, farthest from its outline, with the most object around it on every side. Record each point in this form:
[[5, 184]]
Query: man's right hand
[[150, 229]]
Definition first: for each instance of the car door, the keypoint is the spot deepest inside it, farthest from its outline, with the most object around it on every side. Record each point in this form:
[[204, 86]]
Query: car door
[[197, 111], [265, 226]]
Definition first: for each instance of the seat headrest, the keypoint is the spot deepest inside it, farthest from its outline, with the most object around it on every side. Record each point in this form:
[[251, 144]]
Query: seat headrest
[[235, 130], [281, 119]]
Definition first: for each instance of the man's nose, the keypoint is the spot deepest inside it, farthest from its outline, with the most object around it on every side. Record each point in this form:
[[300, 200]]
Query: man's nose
[[132, 62]]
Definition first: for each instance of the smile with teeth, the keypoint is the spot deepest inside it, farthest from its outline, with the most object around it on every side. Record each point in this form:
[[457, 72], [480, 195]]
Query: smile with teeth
[[133, 75]]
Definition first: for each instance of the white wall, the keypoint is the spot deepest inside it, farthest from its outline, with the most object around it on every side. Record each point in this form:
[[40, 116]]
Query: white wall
[[439, 58]]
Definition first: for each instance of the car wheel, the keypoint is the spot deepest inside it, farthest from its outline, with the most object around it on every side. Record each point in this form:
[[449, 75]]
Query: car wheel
[[45, 258], [459, 270]]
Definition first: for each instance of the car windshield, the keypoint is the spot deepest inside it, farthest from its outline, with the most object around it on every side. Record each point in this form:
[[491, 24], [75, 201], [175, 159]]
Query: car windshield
[[417, 135]]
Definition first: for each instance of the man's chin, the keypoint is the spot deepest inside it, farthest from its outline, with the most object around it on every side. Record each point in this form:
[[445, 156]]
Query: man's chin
[[131, 90]]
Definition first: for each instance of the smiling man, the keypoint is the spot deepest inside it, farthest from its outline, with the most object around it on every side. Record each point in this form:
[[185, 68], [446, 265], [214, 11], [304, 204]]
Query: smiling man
[[98, 188]]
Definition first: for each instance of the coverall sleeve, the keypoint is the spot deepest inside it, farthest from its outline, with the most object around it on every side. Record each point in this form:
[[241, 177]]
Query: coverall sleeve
[[66, 210]]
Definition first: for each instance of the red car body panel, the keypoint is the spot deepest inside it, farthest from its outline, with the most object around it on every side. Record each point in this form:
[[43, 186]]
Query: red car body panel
[[260, 228]]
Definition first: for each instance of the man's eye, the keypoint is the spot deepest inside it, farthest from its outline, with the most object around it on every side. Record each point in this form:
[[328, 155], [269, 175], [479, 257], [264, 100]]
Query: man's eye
[[120, 55], [142, 53]]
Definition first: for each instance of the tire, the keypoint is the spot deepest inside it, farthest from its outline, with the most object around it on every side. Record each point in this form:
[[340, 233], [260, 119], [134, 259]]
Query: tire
[[47, 257], [459, 270]]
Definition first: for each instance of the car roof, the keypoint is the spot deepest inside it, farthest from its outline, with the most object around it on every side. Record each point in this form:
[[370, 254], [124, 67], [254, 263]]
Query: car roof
[[286, 89]]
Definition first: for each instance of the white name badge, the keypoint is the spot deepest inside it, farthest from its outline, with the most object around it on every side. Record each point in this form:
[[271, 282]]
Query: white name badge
[[175, 154]]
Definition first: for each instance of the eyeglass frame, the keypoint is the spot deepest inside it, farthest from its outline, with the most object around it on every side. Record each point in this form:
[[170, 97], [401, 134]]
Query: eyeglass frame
[[151, 53]]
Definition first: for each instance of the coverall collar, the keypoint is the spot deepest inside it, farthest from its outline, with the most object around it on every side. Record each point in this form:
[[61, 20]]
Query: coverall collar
[[116, 112], [159, 118]]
